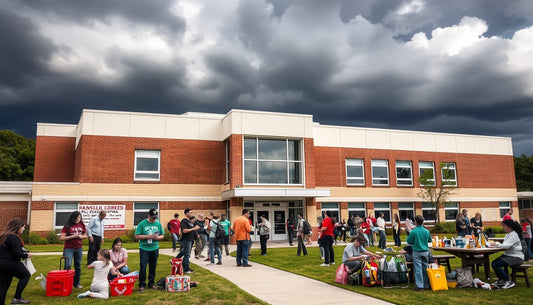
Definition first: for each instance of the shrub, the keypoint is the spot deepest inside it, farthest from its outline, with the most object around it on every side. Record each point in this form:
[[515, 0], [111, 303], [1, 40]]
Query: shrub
[[35, 239], [125, 239], [444, 227], [496, 230], [131, 235], [53, 238], [167, 237]]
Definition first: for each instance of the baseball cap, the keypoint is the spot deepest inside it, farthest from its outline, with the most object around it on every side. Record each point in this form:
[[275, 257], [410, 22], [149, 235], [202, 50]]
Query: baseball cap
[[153, 213]]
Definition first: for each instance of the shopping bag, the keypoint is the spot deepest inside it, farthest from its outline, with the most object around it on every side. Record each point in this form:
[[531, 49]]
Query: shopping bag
[[437, 279], [342, 275], [29, 265]]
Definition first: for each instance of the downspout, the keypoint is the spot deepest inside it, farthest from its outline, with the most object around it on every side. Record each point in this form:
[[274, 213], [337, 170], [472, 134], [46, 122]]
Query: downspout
[[28, 218]]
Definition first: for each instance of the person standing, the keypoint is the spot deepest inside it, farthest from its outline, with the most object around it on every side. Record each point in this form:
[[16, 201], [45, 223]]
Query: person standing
[[460, 226], [226, 224], [200, 236], [214, 247], [370, 223], [327, 240], [382, 244], [409, 224], [95, 232], [526, 234], [301, 229], [188, 235], [175, 231], [72, 234], [242, 228], [477, 224], [290, 229], [396, 231], [351, 225], [264, 234], [419, 239], [149, 232], [509, 215], [466, 220], [11, 252]]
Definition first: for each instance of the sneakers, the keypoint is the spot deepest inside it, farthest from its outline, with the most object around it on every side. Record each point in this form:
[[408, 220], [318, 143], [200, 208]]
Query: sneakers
[[207, 260], [189, 271], [219, 263], [79, 286], [20, 301], [499, 283], [85, 294], [508, 285], [324, 265], [141, 289], [247, 265], [332, 263]]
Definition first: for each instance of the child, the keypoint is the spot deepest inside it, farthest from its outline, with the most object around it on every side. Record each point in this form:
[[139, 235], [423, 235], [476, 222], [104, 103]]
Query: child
[[100, 284]]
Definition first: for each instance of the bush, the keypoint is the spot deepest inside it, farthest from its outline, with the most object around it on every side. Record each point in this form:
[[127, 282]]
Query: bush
[[53, 238], [168, 236], [444, 227], [496, 230], [35, 239], [131, 235], [125, 239]]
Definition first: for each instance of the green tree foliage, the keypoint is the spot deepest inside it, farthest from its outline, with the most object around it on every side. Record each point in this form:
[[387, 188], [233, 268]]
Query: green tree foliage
[[17, 157], [523, 168], [435, 194]]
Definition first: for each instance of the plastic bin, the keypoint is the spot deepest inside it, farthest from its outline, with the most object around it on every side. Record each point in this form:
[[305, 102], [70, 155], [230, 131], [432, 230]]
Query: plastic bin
[[122, 286], [59, 283]]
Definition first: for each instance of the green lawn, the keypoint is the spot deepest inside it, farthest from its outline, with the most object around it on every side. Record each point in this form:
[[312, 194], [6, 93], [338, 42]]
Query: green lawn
[[212, 289], [286, 259]]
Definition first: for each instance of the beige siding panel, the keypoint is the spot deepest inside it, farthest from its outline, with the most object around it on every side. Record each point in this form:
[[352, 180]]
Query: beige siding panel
[[56, 130], [42, 220]]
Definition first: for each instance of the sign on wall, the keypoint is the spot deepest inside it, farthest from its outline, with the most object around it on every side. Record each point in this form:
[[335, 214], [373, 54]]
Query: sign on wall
[[115, 218]]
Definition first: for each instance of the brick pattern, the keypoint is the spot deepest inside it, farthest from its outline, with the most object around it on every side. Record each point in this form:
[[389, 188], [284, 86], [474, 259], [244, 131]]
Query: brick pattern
[[309, 163], [472, 169], [54, 159], [235, 171], [11, 210]]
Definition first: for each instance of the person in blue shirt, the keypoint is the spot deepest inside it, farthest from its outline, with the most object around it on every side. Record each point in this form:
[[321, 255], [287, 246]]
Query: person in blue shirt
[[95, 232], [419, 239]]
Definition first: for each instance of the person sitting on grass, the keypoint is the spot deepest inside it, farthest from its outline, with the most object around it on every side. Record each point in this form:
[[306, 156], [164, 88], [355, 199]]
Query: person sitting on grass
[[100, 284], [355, 253], [119, 258], [513, 255]]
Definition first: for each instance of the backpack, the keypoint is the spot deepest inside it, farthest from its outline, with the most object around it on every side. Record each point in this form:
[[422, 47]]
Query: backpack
[[169, 227], [219, 233], [464, 277], [306, 227], [370, 273]]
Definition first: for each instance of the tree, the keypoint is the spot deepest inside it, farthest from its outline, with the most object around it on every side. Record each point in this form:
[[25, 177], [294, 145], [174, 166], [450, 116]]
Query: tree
[[523, 168], [17, 157], [434, 194]]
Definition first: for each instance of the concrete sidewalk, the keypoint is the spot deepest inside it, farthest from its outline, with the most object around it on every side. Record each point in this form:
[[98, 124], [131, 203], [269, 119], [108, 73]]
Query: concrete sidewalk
[[280, 287]]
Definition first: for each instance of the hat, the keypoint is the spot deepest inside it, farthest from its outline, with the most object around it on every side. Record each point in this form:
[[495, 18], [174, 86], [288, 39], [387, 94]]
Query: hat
[[153, 213]]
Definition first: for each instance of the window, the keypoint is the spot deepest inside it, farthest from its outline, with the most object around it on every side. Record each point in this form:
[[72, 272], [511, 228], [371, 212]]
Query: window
[[504, 207], [270, 161], [295, 208], [380, 172], [62, 213], [357, 208], [449, 174], [451, 209], [147, 164], [405, 209], [227, 161], [355, 174], [140, 210], [382, 207], [426, 168], [333, 208], [525, 204], [428, 212], [404, 173]]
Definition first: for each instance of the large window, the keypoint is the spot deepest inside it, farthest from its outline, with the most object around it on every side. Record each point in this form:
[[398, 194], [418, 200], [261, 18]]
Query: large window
[[404, 173], [357, 209], [504, 207], [333, 208], [140, 210], [451, 210], [270, 161], [427, 168], [405, 209], [525, 204], [147, 164], [62, 213], [380, 172], [355, 173], [382, 207], [449, 174], [428, 211]]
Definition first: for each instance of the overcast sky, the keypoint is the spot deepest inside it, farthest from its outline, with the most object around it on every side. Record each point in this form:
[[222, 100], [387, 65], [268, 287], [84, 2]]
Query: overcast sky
[[459, 66]]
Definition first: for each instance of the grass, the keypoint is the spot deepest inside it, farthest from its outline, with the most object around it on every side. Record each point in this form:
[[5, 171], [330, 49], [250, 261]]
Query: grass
[[212, 288], [308, 266]]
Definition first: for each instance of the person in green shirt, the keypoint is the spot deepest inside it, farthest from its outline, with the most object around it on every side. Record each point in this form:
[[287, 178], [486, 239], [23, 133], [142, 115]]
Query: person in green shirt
[[149, 232], [226, 224], [419, 239]]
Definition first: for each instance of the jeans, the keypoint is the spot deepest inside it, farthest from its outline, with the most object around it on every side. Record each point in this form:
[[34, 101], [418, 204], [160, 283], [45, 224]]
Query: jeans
[[74, 254], [10, 269], [94, 247], [175, 240], [214, 248], [528, 243], [382, 239], [148, 258], [124, 270], [329, 256], [301, 245], [420, 263], [185, 252], [291, 237], [500, 268], [242, 252], [397, 240], [263, 239]]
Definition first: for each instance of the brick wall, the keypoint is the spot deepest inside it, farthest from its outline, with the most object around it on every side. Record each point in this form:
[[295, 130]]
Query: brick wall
[[309, 163], [11, 210], [54, 159], [235, 171], [473, 170]]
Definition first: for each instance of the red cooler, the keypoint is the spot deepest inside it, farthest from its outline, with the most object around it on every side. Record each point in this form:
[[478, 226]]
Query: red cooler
[[122, 286], [59, 282]]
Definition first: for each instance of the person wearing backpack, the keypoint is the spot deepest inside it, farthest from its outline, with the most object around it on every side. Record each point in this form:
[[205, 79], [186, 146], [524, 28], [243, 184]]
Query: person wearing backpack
[[302, 231], [173, 227], [216, 236], [264, 234]]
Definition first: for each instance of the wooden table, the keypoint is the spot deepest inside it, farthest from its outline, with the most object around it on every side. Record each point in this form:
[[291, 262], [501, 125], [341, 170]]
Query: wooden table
[[472, 256]]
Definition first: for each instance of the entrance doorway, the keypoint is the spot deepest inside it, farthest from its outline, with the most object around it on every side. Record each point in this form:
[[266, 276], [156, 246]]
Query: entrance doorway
[[277, 213]]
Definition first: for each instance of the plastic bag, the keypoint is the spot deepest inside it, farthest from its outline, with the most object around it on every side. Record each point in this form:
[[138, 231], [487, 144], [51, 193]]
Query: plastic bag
[[42, 278]]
